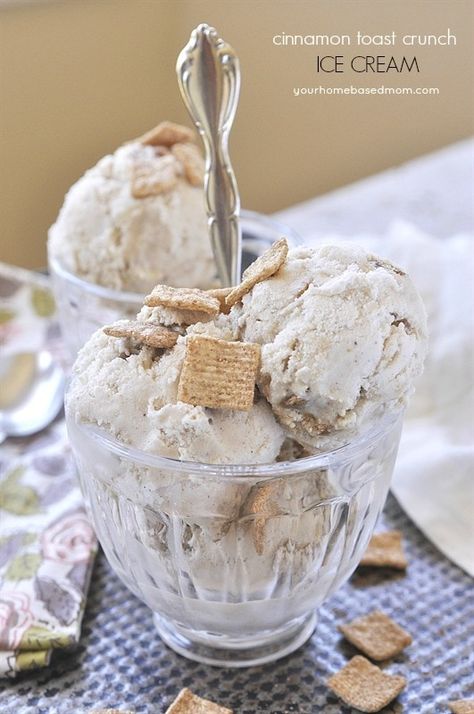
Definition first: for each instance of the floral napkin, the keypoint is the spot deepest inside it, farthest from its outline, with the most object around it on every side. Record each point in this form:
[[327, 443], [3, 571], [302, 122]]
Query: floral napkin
[[47, 545]]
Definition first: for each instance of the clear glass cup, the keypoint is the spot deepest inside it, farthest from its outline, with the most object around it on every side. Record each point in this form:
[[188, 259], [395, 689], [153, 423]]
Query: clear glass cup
[[83, 307], [234, 560]]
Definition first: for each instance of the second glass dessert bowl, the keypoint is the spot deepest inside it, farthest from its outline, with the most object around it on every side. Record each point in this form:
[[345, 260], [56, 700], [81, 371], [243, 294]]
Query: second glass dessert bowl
[[83, 306], [234, 560]]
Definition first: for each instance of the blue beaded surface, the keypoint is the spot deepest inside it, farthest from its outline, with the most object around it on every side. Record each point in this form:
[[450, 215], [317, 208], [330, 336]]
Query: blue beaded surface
[[121, 662]]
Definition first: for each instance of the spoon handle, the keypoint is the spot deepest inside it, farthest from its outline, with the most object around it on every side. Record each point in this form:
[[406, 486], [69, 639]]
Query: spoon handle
[[209, 79]]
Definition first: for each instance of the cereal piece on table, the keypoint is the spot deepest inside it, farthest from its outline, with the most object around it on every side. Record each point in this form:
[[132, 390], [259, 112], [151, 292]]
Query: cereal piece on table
[[376, 635], [264, 267], [143, 333], [188, 703], [462, 706], [218, 374], [182, 299], [167, 133], [191, 159], [221, 294], [148, 180], [364, 686], [385, 550]]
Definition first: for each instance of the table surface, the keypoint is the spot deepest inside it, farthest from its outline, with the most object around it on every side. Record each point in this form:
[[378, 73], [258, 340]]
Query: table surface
[[122, 663]]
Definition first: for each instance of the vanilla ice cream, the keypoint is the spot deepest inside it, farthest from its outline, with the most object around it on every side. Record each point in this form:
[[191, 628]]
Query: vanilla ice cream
[[137, 218]]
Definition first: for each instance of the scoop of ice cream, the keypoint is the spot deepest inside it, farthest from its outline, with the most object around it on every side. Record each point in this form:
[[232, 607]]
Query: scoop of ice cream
[[132, 393], [343, 336], [137, 218]]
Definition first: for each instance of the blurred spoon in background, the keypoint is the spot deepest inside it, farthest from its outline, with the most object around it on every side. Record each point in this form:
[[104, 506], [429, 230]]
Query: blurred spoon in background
[[31, 393]]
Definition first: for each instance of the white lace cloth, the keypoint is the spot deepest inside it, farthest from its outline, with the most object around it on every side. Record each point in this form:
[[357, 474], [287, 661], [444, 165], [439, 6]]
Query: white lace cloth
[[434, 476]]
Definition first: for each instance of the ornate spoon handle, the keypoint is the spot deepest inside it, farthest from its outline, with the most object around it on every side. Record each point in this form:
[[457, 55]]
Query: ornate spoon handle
[[209, 79]]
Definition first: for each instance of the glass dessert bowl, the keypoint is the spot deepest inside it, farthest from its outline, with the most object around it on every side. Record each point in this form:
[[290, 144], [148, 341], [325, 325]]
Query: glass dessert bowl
[[234, 560], [293, 386], [85, 306]]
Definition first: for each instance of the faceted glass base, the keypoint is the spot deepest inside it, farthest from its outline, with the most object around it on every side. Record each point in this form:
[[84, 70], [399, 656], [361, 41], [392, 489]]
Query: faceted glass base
[[221, 651]]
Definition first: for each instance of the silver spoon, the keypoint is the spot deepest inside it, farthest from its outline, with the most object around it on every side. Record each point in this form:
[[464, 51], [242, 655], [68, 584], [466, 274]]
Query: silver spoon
[[209, 79], [31, 393]]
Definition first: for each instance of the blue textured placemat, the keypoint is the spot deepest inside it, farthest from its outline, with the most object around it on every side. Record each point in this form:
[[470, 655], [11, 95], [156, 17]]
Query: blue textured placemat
[[122, 663]]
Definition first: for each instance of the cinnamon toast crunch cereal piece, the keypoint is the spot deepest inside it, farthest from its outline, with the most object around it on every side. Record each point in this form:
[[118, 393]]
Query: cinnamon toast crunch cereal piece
[[376, 635], [221, 294], [191, 159], [143, 333], [183, 299], [188, 703], [260, 502], [148, 180], [462, 706], [264, 267], [219, 374], [364, 686], [167, 133], [385, 550]]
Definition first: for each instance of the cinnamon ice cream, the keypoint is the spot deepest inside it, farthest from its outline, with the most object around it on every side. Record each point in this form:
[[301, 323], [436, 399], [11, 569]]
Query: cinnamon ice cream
[[132, 393], [137, 218], [342, 336]]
